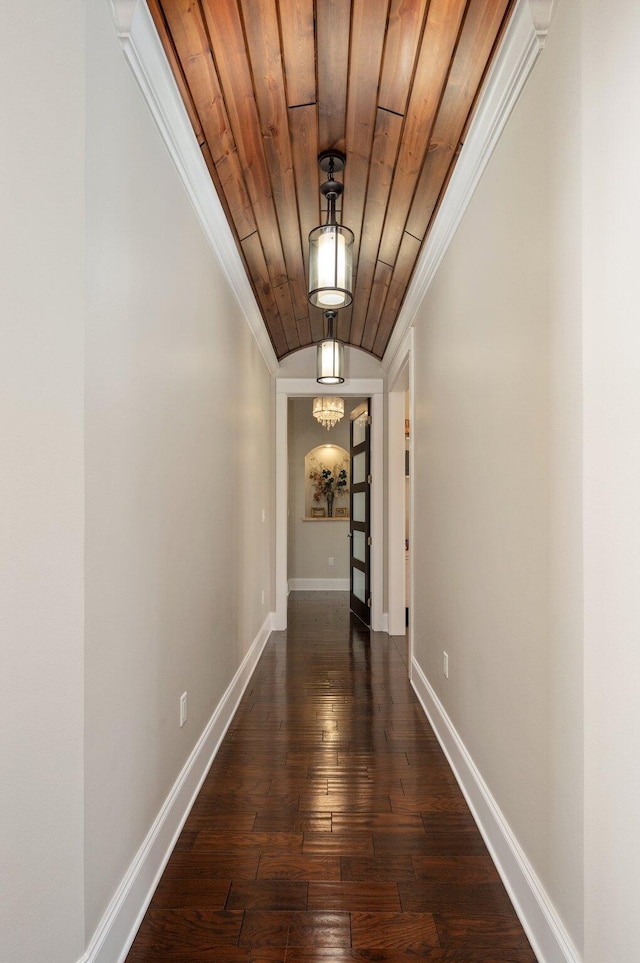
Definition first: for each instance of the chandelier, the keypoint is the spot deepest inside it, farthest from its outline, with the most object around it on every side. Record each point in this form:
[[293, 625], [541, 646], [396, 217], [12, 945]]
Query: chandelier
[[328, 410]]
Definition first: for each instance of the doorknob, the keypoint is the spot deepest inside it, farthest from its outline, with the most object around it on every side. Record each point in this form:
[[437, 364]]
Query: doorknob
[[348, 534]]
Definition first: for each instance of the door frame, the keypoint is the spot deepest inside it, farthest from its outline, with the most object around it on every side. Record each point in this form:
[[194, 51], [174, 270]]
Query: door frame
[[308, 388], [400, 378]]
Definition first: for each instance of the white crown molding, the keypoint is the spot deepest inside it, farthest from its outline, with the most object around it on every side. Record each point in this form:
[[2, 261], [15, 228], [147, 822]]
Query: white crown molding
[[548, 937], [144, 54], [521, 46], [541, 12]]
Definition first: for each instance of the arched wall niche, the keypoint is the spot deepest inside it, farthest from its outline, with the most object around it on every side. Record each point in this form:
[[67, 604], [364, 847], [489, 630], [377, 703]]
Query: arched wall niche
[[332, 458]]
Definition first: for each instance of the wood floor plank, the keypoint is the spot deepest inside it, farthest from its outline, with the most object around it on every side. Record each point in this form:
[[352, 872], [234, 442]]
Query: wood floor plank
[[351, 896], [179, 929], [268, 894], [330, 828], [212, 866], [499, 933], [300, 867], [455, 869], [180, 893], [394, 930], [214, 842], [291, 929], [445, 897], [356, 844]]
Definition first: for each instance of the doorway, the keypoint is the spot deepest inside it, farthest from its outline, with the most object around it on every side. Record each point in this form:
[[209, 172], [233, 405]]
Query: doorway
[[286, 388], [318, 525]]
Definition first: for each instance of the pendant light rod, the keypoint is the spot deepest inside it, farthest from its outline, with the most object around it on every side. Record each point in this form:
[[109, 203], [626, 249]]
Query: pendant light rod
[[331, 162]]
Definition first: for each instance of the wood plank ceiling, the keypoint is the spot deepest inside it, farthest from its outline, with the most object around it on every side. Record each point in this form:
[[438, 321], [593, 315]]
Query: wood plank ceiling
[[268, 84]]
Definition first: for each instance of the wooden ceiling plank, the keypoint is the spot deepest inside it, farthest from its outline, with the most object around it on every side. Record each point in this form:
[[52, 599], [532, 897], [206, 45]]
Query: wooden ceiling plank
[[381, 282], [303, 127], [477, 40], [333, 22], [263, 42], [264, 291], [444, 18], [224, 26], [402, 271], [386, 143], [369, 18], [297, 29], [343, 324], [305, 334], [406, 20], [282, 294], [231, 181], [317, 323], [192, 46], [240, 220]]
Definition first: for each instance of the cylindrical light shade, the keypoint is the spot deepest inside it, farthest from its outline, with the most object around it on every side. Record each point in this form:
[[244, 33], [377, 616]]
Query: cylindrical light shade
[[330, 362], [330, 266]]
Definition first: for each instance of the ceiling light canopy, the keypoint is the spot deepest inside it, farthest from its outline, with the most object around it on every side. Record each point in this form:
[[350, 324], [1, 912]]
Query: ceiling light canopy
[[328, 410], [330, 357], [331, 245]]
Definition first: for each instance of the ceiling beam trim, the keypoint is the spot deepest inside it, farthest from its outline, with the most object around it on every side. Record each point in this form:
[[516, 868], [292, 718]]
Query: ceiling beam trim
[[521, 46], [146, 58]]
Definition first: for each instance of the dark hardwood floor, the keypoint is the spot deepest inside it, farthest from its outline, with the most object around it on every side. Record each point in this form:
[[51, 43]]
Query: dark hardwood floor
[[330, 827]]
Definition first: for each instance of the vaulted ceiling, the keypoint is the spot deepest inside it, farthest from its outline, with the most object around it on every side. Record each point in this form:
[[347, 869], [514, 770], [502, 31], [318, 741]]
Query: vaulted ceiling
[[269, 84]]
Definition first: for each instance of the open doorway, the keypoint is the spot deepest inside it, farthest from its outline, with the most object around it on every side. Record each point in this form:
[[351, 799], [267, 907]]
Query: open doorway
[[318, 515], [352, 390]]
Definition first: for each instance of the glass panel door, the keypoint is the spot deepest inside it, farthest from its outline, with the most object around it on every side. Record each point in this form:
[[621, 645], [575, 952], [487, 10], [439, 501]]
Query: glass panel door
[[360, 514]]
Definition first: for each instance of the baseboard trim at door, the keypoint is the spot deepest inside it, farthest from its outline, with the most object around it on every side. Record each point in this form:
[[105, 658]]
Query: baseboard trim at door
[[319, 585], [117, 929], [550, 941]]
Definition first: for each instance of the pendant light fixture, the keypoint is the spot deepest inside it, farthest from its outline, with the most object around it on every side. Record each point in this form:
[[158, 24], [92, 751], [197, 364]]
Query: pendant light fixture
[[328, 410], [331, 245], [330, 358]]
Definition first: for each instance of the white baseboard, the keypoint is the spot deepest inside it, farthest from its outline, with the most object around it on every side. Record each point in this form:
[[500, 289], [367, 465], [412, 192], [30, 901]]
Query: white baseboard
[[550, 941], [319, 585], [116, 931]]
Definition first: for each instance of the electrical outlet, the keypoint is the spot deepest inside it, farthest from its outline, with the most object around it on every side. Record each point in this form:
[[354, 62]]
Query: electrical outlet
[[262, 596], [330, 560], [264, 515], [183, 709], [445, 665]]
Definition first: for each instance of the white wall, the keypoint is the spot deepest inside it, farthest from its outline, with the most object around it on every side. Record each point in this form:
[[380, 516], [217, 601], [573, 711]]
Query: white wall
[[497, 440], [179, 444], [41, 480], [611, 202]]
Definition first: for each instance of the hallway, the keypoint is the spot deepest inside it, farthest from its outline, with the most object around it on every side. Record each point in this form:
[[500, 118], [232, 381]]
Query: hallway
[[330, 827]]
